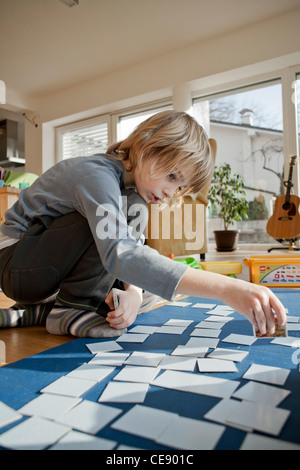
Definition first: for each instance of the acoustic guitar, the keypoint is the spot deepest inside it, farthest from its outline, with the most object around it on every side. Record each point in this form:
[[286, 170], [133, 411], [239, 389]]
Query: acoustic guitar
[[284, 224]]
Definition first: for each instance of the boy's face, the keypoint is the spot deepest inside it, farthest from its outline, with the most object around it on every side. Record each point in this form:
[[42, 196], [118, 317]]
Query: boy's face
[[159, 188]]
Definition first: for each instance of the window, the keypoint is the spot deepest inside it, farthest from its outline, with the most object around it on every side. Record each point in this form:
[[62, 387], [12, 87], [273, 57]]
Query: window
[[247, 124], [82, 139], [128, 122]]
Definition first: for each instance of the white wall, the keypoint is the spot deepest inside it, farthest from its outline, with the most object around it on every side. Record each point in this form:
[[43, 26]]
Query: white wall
[[265, 46]]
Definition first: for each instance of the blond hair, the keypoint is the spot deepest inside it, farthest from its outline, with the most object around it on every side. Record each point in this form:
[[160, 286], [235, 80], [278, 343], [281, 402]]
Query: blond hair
[[177, 143]]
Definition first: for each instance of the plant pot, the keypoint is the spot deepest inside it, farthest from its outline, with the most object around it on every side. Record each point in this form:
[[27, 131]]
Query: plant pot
[[226, 240]]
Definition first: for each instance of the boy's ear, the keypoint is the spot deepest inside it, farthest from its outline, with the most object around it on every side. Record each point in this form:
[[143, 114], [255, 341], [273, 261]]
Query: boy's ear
[[213, 146]]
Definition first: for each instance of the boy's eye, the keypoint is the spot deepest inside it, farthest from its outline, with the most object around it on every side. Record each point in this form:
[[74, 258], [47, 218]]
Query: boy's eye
[[172, 176]]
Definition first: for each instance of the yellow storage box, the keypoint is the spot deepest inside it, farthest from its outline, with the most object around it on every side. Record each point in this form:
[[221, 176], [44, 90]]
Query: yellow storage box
[[274, 271], [228, 268]]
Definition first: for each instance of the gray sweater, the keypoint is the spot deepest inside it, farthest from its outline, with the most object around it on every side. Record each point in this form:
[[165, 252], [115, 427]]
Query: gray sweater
[[92, 186]]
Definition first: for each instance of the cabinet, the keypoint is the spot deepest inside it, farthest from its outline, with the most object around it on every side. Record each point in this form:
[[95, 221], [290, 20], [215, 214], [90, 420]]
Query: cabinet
[[8, 196]]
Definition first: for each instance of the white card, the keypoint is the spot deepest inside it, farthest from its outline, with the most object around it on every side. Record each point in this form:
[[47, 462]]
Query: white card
[[89, 416], [109, 358], [257, 442], [205, 333], [137, 374], [292, 319], [8, 415], [144, 421], [210, 324], [132, 338], [239, 339], [178, 322], [216, 365], [202, 342], [203, 305], [268, 374], [178, 363], [228, 354], [293, 326], [191, 434], [124, 392], [259, 416], [219, 312], [147, 329], [90, 371], [196, 351], [177, 303], [261, 393], [69, 386], [75, 440], [33, 434], [171, 329], [291, 341], [196, 383], [103, 346], [219, 318], [220, 411], [142, 358], [49, 406]]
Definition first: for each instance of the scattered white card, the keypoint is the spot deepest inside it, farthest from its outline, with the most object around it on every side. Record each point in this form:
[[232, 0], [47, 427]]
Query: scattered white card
[[292, 319], [228, 354], [124, 392], [219, 318], [109, 359], [239, 339], [137, 374], [221, 410], [132, 338], [261, 393], [177, 303], [196, 383], [178, 322], [75, 440], [154, 421], [268, 374], [187, 433], [89, 416], [103, 346], [186, 363], [90, 371], [196, 351], [216, 365], [49, 406], [257, 442], [210, 324], [33, 434], [219, 312], [8, 415], [259, 416], [291, 341], [142, 358], [69, 386], [205, 333], [202, 342], [147, 329], [203, 305], [171, 329], [293, 326]]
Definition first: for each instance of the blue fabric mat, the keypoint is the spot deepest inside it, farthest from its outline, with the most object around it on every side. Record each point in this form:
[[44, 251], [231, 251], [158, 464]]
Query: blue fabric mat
[[22, 381]]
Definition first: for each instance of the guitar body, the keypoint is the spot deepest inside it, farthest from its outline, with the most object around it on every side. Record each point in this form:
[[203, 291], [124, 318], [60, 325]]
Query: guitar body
[[284, 224]]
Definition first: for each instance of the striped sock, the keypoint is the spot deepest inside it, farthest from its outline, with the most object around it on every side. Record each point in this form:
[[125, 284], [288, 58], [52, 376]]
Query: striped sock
[[81, 323], [25, 315]]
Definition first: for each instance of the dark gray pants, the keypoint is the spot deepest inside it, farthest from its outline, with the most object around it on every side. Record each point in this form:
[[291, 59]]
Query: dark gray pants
[[60, 255]]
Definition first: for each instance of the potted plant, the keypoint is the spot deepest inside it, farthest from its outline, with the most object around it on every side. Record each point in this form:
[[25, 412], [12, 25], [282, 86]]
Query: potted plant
[[227, 197]]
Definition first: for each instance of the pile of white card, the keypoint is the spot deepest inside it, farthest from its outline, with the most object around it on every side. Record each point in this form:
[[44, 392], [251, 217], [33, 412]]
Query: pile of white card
[[60, 418]]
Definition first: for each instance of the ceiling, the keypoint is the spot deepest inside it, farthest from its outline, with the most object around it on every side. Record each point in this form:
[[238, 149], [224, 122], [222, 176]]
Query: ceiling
[[46, 46]]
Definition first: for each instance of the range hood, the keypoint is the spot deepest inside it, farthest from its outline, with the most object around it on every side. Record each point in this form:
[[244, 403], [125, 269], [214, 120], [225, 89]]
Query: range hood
[[11, 144]]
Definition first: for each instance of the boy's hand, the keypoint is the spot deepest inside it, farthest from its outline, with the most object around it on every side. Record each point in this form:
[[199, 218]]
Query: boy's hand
[[129, 303]]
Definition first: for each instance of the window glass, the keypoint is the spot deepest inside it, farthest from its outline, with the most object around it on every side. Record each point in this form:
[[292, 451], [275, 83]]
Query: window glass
[[83, 141], [248, 127], [128, 122]]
